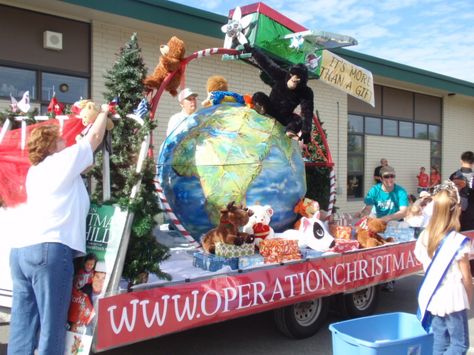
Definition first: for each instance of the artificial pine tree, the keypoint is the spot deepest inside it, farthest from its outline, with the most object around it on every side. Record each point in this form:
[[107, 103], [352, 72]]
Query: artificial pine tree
[[125, 82], [317, 177]]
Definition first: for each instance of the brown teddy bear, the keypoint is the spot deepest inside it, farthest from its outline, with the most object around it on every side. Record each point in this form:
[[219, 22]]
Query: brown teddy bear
[[218, 92], [232, 218], [170, 61], [369, 237]]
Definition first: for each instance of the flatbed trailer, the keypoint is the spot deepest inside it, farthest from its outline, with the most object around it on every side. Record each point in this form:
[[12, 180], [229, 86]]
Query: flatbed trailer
[[299, 292]]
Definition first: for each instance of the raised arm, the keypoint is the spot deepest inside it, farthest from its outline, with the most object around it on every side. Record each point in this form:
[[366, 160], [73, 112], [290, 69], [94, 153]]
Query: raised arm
[[97, 131], [266, 63]]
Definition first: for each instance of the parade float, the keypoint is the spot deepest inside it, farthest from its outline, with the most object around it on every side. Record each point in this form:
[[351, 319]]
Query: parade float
[[215, 164]]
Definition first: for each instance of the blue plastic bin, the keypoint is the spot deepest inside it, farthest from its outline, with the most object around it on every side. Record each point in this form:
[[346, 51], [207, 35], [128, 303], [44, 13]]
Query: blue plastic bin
[[383, 334]]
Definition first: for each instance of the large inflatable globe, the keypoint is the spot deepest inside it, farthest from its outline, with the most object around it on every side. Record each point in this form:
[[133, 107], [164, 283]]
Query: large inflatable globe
[[230, 153]]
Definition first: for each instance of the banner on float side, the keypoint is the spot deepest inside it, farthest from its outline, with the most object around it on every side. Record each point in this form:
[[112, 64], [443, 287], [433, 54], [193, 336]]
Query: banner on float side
[[105, 226], [140, 315]]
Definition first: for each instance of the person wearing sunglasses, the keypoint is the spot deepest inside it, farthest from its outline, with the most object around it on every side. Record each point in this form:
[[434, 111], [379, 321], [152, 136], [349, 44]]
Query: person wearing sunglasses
[[389, 199]]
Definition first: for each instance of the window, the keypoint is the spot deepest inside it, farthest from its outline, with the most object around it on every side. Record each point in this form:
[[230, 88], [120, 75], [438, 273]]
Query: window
[[390, 128], [421, 131], [355, 157], [373, 125], [356, 124], [406, 129], [15, 82], [434, 132], [68, 89]]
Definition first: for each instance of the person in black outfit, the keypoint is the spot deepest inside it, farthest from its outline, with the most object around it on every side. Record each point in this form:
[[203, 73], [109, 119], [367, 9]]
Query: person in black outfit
[[463, 178], [289, 90], [377, 176]]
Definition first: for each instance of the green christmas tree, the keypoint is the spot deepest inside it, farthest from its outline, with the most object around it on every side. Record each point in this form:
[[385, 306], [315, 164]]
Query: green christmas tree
[[317, 177], [125, 82]]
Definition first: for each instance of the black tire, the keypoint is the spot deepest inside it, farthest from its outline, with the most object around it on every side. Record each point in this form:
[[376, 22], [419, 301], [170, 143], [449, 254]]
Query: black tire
[[302, 320], [360, 303]]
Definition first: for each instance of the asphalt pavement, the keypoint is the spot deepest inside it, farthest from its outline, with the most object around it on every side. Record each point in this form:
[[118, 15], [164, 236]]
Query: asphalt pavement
[[256, 334]]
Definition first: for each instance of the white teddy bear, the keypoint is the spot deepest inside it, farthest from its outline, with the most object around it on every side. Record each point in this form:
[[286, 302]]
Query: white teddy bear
[[259, 223]]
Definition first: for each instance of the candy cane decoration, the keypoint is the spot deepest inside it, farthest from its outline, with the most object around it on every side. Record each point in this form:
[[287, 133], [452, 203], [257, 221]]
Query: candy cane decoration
[[332, 191], [172, 216]]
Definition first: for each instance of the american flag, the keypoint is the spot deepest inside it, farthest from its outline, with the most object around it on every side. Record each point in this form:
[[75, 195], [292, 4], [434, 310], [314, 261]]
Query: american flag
[[142, 108]]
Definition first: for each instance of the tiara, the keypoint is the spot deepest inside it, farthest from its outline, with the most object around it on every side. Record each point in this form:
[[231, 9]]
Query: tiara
[[447, 185]]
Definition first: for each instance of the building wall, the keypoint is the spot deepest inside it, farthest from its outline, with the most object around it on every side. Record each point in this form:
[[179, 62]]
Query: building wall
[[458, 131], [404, 155], [111, 32]]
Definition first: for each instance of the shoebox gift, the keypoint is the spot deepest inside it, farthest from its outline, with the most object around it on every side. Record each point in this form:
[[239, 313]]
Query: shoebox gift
[[211, 262], [234, 251], [345, 245], [278, 250], [400, 231], [250, 261]]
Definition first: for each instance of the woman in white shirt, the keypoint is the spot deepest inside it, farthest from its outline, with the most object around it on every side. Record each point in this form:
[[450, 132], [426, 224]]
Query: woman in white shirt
[[41, 263], [450, 301]]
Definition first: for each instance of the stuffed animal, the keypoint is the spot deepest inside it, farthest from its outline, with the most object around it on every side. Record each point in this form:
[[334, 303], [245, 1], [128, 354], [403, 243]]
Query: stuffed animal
[[289, 89], [312, 233], [87, 111], [306, 208], [218, 92], [232, 218], [171, 56], [369, 237], [259, 223]]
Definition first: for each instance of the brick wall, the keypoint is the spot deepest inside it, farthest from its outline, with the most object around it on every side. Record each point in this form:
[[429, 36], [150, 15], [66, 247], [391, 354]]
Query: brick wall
[[458, 131]]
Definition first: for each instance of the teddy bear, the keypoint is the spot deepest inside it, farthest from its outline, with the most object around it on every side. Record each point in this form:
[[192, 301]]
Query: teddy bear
[[306, 208], [259, 223], [369, 237], [218, 92], [87, 111], [172, 55], [233, 217]]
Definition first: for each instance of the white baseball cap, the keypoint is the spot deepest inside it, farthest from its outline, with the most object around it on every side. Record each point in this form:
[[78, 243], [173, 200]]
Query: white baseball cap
[[185, 93]]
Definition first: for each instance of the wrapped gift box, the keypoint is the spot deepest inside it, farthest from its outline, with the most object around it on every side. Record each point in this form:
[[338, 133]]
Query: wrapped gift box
[[234, 251], [340, 232], [310, 253], [279, 250], [247, 262], [400, 231], [344, 245], [211, 262]]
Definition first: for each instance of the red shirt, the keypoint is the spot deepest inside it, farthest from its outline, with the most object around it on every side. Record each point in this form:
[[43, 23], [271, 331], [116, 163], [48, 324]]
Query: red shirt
[[435, 179], [423, 180]]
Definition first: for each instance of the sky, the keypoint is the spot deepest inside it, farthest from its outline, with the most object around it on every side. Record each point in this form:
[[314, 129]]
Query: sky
[[434, 35]]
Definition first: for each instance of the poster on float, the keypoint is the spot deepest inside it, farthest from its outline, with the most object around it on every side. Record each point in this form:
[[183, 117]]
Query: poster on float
[[104, 230]]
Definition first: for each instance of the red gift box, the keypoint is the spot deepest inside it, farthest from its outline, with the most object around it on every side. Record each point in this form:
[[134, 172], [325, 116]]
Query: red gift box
[[279, 250], [344, 245]]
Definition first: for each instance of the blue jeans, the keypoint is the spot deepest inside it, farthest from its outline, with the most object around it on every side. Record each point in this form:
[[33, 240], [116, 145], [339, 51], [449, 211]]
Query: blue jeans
[[451, 334], [42, 284]]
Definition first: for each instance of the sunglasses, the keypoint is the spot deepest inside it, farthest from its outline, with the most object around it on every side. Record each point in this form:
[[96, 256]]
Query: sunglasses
[[388, 177]]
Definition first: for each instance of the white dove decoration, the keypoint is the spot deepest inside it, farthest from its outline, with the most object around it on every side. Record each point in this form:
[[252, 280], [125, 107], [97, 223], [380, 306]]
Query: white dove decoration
[[297, 42], [24, 104], [235, 27]]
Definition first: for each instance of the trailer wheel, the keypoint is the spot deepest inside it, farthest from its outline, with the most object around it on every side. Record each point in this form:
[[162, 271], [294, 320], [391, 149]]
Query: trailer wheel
[[361, 303], [302, 320]]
